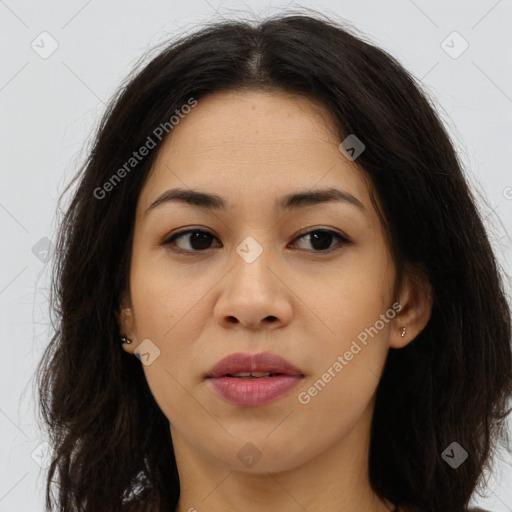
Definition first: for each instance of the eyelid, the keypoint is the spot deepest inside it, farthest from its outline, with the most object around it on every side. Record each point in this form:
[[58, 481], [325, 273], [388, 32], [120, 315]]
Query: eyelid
[[337, 232], [345, 240]]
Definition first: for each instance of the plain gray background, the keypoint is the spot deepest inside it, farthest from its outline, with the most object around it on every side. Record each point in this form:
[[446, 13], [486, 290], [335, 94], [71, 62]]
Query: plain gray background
[[50, 105]]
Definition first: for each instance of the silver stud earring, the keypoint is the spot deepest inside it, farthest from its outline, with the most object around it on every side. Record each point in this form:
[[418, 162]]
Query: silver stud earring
[[403, 331], [125, 339]]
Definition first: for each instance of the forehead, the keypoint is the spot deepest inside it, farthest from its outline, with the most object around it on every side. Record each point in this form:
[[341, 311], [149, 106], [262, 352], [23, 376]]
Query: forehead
[[255, 145], [251, 125]]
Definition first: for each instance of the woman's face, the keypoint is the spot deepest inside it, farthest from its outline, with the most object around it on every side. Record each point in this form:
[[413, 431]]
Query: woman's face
[[254, 281]]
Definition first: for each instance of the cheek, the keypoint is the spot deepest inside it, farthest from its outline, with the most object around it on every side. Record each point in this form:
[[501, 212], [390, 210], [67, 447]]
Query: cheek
[[366, 286], [351, 298], [352, 333], [171, 311], [347, 364], [163, 295]]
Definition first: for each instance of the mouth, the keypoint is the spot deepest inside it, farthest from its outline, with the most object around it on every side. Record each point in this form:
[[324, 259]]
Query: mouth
[[253, 375], [253, 379], [253, 366]]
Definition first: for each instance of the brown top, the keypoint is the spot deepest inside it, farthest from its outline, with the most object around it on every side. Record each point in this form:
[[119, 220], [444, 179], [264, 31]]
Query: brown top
[[468, 510], [153, 507], [138, 506]]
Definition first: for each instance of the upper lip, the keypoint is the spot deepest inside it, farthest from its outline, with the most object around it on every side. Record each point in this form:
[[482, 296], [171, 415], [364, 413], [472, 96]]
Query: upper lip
[[261, 362]]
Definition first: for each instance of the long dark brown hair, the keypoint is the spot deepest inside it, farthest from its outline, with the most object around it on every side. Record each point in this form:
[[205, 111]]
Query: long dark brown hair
[[110, 439]]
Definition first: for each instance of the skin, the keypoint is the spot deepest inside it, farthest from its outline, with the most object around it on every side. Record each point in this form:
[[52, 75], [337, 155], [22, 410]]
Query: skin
[[252, 148]]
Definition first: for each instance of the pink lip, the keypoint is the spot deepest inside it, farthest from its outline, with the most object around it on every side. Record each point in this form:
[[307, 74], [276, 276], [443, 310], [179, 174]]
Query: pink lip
[[253, 392]]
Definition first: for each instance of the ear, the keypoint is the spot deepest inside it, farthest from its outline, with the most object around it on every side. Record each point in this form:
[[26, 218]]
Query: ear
[[415, 298], [126, 322]]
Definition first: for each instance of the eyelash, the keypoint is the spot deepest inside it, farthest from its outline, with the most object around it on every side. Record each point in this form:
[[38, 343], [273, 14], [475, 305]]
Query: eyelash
[[170, 240]]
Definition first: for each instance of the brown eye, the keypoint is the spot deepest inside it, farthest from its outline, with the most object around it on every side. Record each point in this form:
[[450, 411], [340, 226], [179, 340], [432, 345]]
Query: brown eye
[[321, 239], [199, 240]]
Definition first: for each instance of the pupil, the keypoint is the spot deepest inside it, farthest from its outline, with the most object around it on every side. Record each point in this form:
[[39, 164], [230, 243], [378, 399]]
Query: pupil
[[320, 240], [323, 237], [199, 240]]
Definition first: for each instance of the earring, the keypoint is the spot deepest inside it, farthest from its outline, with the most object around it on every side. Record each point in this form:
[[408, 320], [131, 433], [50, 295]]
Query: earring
[[124, 339], [403, 331]]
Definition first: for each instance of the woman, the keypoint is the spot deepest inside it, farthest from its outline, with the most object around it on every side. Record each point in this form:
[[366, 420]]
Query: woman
[[213, 351]]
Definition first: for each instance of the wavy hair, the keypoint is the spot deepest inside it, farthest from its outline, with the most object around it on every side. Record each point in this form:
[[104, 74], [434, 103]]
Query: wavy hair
[[111, 441]]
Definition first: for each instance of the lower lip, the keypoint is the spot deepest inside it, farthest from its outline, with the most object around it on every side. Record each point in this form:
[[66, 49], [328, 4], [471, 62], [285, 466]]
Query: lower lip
[[254, 392]]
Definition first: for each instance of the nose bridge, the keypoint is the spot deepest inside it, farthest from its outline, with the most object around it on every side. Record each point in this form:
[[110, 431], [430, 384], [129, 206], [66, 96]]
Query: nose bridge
[[252, 261], [250, 250]]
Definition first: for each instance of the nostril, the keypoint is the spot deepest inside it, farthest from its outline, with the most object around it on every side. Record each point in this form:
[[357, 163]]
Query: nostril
[[233, 320]]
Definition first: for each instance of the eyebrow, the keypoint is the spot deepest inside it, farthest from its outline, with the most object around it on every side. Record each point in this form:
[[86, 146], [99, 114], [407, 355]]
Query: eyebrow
[[288, 202]]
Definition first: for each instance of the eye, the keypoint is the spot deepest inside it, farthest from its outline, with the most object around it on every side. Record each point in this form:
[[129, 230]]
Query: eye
[[199, 242], [321, 240]]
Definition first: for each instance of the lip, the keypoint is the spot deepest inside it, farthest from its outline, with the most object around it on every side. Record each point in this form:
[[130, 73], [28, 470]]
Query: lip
[[260, 362], [258, 391]]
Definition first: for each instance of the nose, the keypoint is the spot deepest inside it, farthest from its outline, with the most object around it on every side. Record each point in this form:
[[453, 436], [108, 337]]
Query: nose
[[254, 296]]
